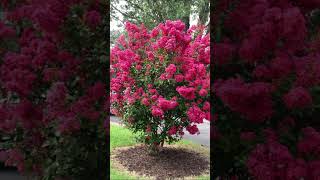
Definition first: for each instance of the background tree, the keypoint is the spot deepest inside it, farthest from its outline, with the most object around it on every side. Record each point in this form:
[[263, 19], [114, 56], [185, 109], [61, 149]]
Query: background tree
[[151, 13]]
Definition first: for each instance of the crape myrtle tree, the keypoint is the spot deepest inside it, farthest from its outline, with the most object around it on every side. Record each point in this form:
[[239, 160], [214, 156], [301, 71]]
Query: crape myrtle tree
[[266, 89], [160, 81], [53, 96]]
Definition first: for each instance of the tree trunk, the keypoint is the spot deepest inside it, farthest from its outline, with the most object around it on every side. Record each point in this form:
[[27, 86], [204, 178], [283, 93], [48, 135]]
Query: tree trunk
[[186, 21], [204, 11], [154, 149], [186, 17], [162, 142], [204, 15]]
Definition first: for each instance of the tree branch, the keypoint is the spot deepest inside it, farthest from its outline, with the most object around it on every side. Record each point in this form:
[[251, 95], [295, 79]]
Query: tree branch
[[118, 19], [124, 14]]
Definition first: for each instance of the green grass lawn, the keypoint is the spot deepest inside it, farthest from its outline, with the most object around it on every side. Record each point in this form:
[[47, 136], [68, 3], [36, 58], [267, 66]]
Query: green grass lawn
[[120, 137]]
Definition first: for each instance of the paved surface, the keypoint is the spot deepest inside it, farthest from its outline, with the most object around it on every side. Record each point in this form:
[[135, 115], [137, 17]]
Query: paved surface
[[203, 138], [11, 175]]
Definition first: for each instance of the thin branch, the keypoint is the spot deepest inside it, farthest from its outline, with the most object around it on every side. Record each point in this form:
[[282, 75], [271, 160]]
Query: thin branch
[[124, 14], [118, 19]]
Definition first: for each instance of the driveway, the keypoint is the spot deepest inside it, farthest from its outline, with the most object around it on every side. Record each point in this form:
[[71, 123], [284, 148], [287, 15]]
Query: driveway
[[11, 175]]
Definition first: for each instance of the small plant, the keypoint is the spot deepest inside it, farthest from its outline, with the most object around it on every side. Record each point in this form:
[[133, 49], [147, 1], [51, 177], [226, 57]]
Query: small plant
[[160, 81]]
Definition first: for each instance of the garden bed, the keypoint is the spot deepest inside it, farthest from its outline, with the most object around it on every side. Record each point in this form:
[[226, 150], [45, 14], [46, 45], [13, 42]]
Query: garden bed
[[129, 160]]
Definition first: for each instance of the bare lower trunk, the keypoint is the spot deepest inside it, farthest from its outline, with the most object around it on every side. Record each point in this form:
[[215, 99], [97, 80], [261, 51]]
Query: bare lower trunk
[[154, 149]]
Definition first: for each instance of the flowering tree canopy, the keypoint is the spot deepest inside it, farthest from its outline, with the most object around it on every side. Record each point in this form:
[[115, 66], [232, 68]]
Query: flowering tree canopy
[[160, 80]]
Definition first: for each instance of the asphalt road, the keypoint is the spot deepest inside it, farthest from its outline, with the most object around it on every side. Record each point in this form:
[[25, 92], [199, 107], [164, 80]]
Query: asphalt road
[[11, 175], [203, 138]]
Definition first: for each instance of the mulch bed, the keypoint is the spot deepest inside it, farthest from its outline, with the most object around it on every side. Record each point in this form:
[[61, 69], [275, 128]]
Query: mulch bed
[[170, 163]]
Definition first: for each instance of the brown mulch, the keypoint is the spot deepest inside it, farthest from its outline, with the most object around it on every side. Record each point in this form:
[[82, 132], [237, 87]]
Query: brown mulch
[[170, 163]]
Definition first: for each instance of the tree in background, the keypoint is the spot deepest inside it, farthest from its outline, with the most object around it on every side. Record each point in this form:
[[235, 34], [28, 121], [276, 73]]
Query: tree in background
[[151, 13]]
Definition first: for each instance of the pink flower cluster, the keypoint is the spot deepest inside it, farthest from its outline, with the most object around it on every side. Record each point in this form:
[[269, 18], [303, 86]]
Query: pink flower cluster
[[93, 18], [6, 32], [252, 100], [273, 160], [163, 73]]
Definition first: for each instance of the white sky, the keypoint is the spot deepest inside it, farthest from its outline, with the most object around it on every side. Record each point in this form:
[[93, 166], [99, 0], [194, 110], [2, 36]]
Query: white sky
[[115, 23]]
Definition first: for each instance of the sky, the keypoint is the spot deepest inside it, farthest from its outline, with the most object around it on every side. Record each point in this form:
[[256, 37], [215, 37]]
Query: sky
[[114, 23]]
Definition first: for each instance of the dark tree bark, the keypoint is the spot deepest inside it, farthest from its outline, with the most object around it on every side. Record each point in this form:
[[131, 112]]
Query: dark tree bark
[[204, 11], [186, 18]]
